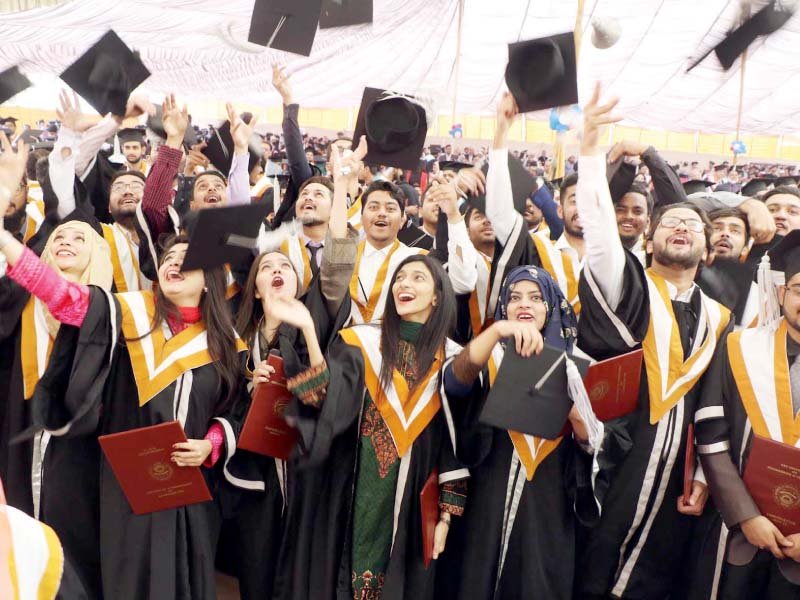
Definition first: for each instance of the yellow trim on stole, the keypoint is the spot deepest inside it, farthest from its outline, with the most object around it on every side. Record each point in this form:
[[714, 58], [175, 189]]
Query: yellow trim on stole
[[374, 296], [29, 356]]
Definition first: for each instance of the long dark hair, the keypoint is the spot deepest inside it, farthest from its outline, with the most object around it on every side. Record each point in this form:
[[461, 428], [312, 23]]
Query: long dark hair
[[433, 335], [251, 311], [217, 319]]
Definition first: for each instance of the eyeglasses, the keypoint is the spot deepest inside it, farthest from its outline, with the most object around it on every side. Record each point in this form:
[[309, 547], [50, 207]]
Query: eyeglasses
[[121, 187], [695, 225]]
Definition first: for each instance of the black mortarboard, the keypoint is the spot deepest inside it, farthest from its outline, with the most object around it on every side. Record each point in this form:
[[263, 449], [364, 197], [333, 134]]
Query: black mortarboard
[[542, 73], [341, 13], [106, 74], [522, 186], [765, 21], [223, 235], [453, 165], [131, 134], [693, 186], [620, 175], [786, 180], [755, 186], [722, 167], [288, 25], [395, 127], [727, 187], [12, 82], [785, 256], [220, 149], [529, 395], [156, 125]]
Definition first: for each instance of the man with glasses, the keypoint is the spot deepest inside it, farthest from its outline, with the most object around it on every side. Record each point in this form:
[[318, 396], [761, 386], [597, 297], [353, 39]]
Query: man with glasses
[[754, 390], [637, 547]]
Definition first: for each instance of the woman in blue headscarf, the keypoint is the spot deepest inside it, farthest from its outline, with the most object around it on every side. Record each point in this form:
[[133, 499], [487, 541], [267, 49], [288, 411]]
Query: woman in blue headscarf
[[517, 536]]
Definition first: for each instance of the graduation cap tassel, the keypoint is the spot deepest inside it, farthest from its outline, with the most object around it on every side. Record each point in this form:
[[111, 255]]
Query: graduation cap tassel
[[769, 310], [118, 157]]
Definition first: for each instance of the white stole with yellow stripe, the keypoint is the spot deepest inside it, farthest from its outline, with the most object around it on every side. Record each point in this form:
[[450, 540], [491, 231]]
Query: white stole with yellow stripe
[[406, 414], [34, 217], [354, 215], [562, 266], [669, 376], [35, 345], [298, 255], [530, 450], [159, 358], [31, 557], [124, 260], [760, 368], [479, 298], [370, 309]]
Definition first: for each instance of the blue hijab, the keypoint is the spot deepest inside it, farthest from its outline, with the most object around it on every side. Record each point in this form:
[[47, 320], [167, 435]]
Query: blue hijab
[[561, 325]]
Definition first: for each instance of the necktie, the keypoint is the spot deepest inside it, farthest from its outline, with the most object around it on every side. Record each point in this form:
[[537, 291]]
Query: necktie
[[794, 380], [313, 252]]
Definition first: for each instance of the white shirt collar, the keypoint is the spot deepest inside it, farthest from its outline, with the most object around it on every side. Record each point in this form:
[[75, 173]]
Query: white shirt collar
[[370, 250], [683, 297]]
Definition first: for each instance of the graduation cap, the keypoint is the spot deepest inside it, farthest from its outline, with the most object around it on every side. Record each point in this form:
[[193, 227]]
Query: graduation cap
[[694, 186], [220, 149], [542, 73], [107, 74], [727, 187], [620, 176], [288, 25], [529, 395], [790, 180], [341, 13], [156, 125], [454, 165], [395, 126], [766, 21], [222, 235], [131, 134], [12, 82], [522, 186], [785, 256], [755, 186]]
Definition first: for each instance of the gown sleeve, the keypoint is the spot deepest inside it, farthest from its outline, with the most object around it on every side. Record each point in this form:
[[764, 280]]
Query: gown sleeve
[[68, 397]]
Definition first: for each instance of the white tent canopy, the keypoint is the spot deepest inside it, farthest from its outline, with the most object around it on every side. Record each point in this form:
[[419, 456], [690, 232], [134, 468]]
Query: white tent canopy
[[198, 49]]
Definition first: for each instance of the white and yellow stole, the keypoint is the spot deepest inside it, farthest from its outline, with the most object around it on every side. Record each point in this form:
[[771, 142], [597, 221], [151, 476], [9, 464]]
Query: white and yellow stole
[[760, 369], [564, 269], [34, 217], [297, 252], [370, 308], [354, 215], [669, 376], [479, 298], [406, 414], [35, 345], [159, 358], [31, 556], [124, 260], [530, 449]]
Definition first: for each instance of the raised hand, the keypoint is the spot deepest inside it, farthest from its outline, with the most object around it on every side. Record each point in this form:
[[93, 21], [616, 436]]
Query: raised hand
[[70, 115], [471, 182], [175, 121], [346, 168], [12, 167], [138, 105], [195, 158], [527, 337], [626, 148], [281, 82], [595, 115], [290, 311], [446, 195], [241, 132]]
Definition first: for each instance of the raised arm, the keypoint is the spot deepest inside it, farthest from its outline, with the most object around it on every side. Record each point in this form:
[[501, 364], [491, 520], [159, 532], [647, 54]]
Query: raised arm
[[462, 258], [158, 187], [605, 256], [499, 196], [63, 159], [295, 152], [239, 176]]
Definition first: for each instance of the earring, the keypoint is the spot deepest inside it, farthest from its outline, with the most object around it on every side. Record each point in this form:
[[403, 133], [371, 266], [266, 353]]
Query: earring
[[205, 289]]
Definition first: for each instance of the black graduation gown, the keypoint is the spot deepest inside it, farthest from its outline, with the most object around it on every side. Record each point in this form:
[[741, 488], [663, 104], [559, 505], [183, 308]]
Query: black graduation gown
[[254, 492], [540, 555], [315, 560], [90, 387], [645, 560], [712, 575]]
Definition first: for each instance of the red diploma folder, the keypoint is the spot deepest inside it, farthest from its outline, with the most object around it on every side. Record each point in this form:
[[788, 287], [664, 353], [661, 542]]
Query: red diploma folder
[[688, 464], [265, 430], [429, 510], [613, 385], [140, 459], [772, 476]]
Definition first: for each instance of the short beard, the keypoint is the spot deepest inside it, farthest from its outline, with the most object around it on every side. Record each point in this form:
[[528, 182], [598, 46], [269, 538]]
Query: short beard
[[629, 241], [135, 162], [690, 261], [13, 223], [576, 232], [311, 221], [124, 217], [533, 222]]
